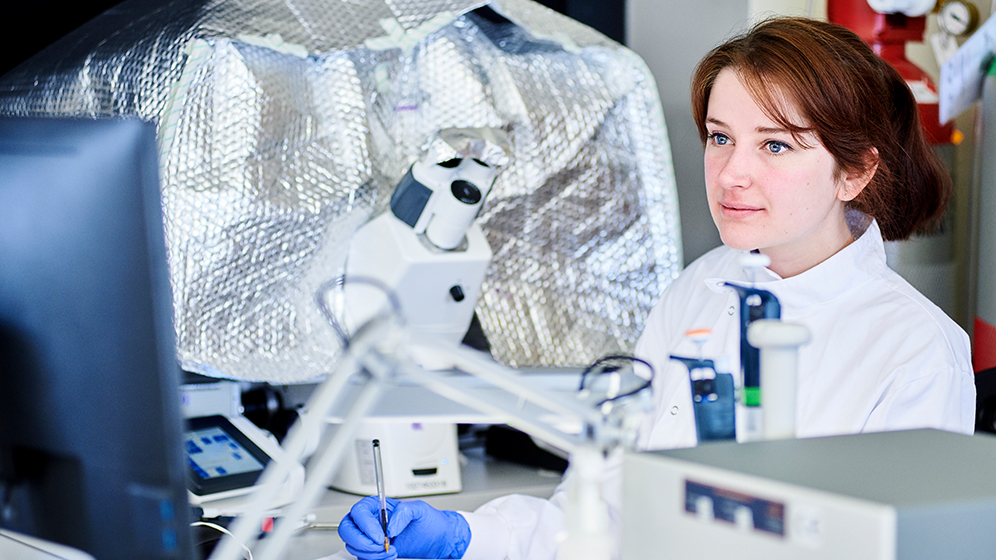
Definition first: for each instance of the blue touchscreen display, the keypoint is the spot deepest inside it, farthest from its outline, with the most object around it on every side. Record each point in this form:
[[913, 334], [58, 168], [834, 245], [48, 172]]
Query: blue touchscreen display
[[213, 453]]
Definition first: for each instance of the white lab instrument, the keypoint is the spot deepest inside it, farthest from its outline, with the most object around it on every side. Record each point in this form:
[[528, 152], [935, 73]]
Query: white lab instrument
[[227, 453], [427, 258], [958, 18], [755, 304], [419, 458], [437, 289], [211, 397], [255, 450], [441, 199], [912, 495], [427, 253], [779, 344]]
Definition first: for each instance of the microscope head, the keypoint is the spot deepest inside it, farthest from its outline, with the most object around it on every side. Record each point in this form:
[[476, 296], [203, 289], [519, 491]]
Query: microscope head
[[442, 199]]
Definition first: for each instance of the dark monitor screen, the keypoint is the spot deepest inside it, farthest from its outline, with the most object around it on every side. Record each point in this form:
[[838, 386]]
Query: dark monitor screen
[[91, 450]]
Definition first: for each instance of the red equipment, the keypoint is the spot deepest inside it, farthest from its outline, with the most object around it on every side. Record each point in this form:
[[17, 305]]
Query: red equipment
[[888, 34]]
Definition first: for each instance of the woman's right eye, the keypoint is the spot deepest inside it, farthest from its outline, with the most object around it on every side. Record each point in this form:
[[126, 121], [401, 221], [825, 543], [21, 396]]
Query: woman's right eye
[[719, 139]]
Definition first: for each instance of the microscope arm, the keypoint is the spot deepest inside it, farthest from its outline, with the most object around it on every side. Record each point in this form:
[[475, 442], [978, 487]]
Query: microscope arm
[[380, 353]]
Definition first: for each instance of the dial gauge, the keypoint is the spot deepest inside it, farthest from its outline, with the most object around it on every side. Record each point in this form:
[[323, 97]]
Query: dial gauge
[[958, 17]]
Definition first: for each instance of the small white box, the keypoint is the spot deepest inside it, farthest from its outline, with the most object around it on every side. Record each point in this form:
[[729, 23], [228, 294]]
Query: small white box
[[222, 398]]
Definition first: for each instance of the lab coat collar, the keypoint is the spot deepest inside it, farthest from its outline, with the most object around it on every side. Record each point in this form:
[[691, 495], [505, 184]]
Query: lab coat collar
[[849, 268]]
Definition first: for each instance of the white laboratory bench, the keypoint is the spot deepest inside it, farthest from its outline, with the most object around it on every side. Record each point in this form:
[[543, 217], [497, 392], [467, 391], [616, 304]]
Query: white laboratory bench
[[483, 479]]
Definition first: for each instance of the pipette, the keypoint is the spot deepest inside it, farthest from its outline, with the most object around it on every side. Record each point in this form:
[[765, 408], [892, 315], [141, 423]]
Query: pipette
[[379, 476]]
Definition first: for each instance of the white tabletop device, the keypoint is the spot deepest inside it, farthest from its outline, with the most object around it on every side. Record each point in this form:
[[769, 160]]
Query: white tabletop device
[[227, 453], [911, 495], [419, 458]]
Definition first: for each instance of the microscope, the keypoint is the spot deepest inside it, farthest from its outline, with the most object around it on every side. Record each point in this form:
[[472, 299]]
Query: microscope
[[424, 259], [427, 254]]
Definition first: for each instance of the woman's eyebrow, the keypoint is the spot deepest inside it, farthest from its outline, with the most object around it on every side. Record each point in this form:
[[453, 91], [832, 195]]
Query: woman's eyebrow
[[760, 129]]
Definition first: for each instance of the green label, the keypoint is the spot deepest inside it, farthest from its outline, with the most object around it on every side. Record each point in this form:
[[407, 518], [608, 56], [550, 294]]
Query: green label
[[752, 396]]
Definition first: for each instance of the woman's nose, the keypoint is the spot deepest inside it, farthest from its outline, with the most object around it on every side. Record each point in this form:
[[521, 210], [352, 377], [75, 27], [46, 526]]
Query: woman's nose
[[735, 169]]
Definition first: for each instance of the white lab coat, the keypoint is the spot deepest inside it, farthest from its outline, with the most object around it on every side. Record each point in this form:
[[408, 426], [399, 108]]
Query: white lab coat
[[882, 357]]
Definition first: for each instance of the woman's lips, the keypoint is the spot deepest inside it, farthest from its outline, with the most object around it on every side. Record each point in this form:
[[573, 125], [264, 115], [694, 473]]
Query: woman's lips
[[737, 210]]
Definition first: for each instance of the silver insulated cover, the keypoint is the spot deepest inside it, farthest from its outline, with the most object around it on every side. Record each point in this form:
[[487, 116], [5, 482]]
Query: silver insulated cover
[[285, 125]]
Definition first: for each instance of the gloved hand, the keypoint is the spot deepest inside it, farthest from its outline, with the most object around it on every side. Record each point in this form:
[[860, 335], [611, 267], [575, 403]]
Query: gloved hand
[[417, 530], [361, 530]]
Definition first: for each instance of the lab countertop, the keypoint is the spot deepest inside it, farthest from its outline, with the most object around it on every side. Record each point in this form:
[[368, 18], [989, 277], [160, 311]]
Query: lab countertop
[[483, 479]]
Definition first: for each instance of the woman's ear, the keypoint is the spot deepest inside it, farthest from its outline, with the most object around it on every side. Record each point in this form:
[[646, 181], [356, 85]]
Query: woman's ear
[[853, 182]]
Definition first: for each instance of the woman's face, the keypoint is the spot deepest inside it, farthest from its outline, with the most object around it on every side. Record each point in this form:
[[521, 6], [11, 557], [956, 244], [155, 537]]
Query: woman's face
[[767, 190]]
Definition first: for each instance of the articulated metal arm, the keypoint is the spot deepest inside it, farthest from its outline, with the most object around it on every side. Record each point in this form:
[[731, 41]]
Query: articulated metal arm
[[379, 355]]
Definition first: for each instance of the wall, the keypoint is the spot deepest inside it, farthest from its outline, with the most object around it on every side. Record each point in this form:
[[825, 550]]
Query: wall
[[672, 36]]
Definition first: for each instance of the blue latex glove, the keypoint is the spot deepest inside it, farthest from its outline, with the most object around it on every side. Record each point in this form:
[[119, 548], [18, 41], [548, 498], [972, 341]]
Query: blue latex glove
[[417, 530], [360, 530]]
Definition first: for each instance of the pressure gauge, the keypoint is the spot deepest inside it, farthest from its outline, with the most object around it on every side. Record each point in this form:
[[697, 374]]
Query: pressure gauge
[[958, 17]]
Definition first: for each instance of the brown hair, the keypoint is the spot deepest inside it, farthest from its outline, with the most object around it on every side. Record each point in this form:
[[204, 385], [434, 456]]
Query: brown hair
[[851, 99]]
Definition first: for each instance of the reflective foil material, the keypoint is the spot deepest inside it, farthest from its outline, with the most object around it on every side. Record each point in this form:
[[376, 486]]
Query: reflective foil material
[[284, 126]]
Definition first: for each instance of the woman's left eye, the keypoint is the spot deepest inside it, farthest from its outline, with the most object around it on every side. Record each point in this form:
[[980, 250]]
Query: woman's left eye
[[777, 146]]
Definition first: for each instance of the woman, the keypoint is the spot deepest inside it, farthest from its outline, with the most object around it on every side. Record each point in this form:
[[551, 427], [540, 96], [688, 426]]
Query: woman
[[813, 155]]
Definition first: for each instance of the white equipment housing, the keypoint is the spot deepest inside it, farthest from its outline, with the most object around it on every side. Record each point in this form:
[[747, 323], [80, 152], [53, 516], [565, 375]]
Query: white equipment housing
[[442, 199], [419, 459], [222, 398], [437, 289], [234, 502], [912, 495], [427, 250]]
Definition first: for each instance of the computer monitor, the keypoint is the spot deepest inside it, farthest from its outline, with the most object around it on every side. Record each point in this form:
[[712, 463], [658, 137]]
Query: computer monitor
[[91, 452]]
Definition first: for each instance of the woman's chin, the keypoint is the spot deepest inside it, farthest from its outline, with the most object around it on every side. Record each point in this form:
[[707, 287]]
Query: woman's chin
[[738, 243]]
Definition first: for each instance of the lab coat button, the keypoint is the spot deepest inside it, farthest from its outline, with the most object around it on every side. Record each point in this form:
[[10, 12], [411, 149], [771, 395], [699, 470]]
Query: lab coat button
[[731, 310], [674, 410]]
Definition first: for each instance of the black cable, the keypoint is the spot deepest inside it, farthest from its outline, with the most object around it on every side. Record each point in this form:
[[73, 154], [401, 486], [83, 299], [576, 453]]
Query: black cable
[[605, 363]]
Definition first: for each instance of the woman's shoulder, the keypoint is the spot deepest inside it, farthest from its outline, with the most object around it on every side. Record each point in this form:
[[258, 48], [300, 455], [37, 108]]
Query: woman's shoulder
[[906, 309], [913, 303]]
